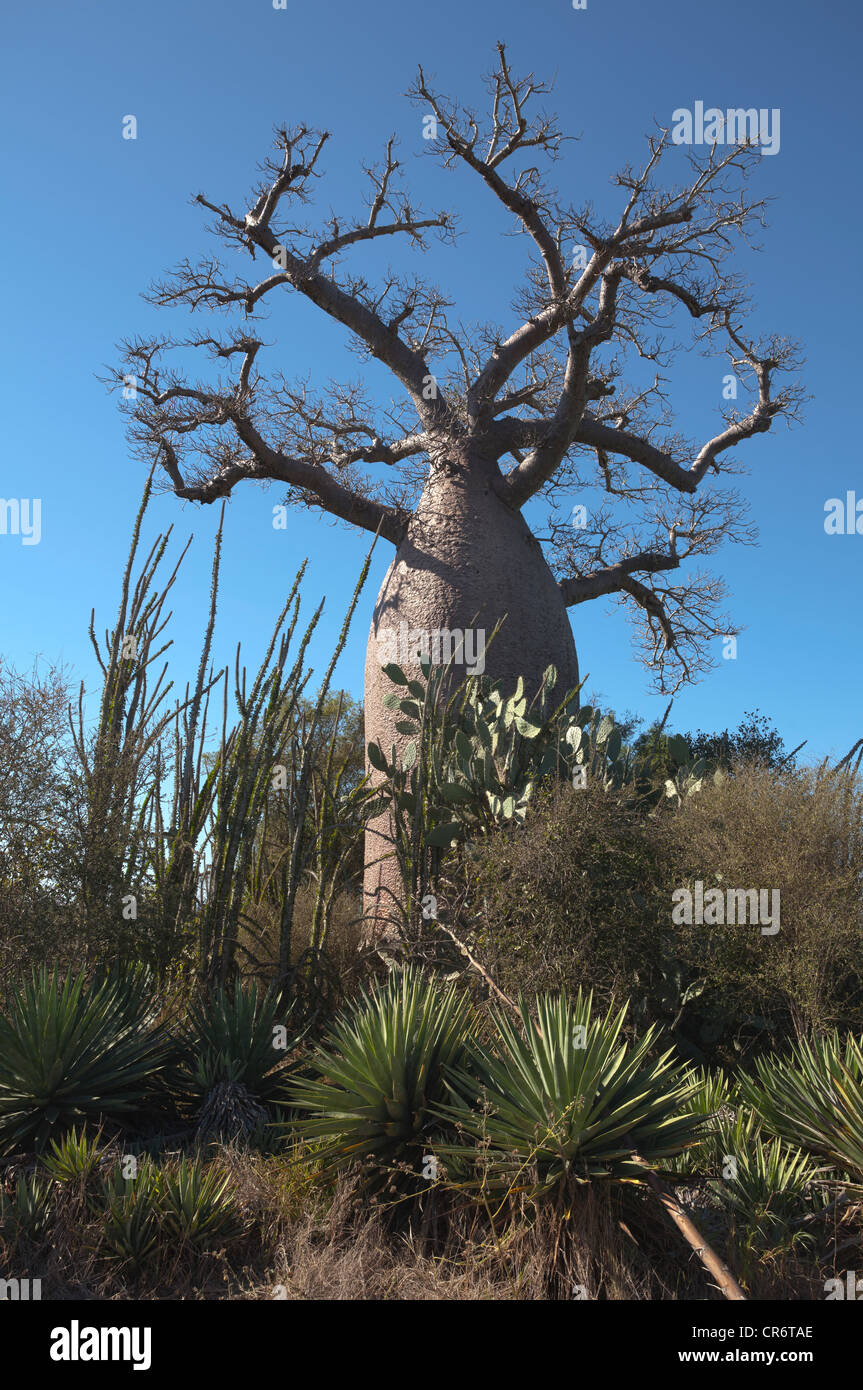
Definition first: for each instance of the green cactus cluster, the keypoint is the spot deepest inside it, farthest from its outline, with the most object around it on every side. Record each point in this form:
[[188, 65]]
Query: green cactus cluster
[[475, 756], [487, 753]]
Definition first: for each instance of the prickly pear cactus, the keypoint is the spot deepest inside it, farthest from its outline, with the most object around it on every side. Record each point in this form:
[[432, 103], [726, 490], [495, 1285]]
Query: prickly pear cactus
[[474, 760]]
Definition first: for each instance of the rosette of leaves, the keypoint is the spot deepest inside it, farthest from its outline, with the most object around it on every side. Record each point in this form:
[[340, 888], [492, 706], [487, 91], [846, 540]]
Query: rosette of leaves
[[73, 1050], [814, 1098], [563, 1098], [196, 1206], [73, 1159], [241, 1035], [377, 1078], [713, 1098]]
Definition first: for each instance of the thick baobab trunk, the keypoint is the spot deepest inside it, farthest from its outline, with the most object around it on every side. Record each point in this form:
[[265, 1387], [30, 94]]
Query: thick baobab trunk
[[465, 554]]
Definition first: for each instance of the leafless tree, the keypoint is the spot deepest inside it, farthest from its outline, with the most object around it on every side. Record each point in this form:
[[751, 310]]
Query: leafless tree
[[486, 418]]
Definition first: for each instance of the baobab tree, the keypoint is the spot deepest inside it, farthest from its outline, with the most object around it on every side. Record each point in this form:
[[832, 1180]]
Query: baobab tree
[[483, 419]]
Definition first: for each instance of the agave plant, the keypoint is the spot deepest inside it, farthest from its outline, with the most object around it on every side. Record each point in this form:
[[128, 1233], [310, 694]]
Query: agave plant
[[30, 1211], [814, 1099], [73, 1050], [196, 1207], [130, 1214], [713, 1098], [379, 1075], [564, 1098], [237, 1036], [73, 1159], [765, 1188]]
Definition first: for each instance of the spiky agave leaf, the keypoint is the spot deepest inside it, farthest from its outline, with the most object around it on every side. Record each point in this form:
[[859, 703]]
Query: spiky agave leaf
[[73, 1050], [713, 1091], [563, 1097], [30, 1210], [765, 1186], [232, 1036], [380, 1073], [814, 1098], [713, 1098], [196, 1206]]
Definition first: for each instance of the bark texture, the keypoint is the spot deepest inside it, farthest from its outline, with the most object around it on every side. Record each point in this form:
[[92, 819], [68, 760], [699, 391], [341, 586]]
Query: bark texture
[[467, 560]]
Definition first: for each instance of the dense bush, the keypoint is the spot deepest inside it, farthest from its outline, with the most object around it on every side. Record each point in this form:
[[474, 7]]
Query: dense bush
[[575, 898], [799, 832], [36, 818], [581, 896]]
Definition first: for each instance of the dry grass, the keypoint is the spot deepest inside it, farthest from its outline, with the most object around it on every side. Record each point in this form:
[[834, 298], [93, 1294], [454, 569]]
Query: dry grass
[[309, 1240]]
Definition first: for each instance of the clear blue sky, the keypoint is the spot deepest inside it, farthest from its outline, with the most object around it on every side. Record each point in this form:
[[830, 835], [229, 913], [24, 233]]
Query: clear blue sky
[[89, 218]]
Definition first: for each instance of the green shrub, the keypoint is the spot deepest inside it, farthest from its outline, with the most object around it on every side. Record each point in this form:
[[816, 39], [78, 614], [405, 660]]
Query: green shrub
[[713, 1098], [565, 1098], [231, 1036], [186, 1206], [379, 1075], [73, 1050]]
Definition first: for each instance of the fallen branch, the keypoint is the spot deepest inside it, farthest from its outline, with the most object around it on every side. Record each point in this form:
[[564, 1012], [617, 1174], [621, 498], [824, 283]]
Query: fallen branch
[[725, 1280], [504, 998]]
